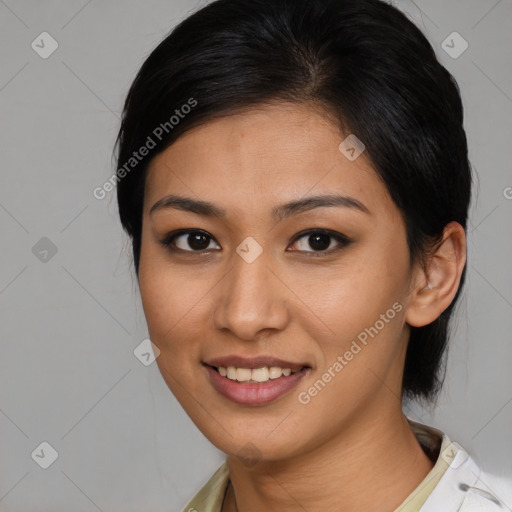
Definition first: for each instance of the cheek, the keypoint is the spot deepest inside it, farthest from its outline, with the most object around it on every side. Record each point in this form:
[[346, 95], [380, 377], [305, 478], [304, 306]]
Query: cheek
[[172, 305], [168, 297], [366, 315], [363, 304], [352, 295]]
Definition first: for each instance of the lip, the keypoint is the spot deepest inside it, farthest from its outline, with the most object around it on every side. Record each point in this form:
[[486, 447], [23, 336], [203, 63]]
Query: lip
[[260, 393], [254, 362]]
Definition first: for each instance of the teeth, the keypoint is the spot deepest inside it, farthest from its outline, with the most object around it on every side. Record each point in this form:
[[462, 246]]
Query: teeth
[[260, 374], [254, 375], [275, 372], [243, 374]]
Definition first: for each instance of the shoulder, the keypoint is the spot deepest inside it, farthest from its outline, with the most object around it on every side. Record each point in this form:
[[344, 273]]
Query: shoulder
[[500, 486], [464, 487], [211, 495]]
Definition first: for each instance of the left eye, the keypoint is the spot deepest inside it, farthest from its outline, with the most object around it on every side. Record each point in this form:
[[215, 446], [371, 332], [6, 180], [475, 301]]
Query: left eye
[[320, 241]]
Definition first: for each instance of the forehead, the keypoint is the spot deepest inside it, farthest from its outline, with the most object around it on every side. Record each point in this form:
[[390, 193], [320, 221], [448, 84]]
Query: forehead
[[257, 158]]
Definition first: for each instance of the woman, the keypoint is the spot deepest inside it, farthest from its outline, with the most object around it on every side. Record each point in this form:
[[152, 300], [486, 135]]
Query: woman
[[294, 177]]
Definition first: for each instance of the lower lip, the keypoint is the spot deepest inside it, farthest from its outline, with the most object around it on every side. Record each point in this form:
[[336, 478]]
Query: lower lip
[[260, 393]]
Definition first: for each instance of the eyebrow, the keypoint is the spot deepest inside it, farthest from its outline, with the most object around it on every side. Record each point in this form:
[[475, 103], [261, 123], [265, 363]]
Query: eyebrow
[[279, 213]]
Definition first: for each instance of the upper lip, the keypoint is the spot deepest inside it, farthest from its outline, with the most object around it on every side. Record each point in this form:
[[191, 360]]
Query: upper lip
[[253, 362]]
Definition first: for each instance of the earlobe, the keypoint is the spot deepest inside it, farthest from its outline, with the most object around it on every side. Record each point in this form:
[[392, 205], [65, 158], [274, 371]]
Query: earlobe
[[437, 284]]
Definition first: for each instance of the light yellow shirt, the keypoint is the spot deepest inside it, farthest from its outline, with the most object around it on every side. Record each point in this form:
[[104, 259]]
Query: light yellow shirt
[[433, 442]]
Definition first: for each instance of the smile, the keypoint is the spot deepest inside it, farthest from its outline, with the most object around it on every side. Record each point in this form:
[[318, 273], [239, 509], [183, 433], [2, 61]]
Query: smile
[[254, 386]]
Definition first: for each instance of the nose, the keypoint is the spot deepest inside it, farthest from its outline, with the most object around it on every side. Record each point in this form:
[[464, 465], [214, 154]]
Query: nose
[[251, 299]]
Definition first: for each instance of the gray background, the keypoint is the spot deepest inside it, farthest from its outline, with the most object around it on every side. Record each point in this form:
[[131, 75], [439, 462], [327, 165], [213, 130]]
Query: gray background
[[71, 320]]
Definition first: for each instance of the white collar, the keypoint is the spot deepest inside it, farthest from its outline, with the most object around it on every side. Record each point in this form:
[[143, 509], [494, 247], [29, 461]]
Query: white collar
[[463, 487]]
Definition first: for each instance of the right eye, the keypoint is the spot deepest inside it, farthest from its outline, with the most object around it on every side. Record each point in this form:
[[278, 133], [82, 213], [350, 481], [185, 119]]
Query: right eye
[[195, 239]]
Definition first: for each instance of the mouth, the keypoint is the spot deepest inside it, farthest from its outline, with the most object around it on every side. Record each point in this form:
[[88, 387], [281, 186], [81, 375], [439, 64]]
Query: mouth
[[254, 383]]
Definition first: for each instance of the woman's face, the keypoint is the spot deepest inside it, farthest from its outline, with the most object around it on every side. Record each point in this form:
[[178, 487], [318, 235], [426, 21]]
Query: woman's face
[[257, 280]]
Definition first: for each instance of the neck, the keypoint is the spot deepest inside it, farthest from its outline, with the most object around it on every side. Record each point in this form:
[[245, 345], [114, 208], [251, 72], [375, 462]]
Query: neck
[[387, 459]]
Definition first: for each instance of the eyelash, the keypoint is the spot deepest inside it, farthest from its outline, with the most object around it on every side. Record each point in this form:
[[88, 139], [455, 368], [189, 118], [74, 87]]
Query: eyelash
[[169, 239]]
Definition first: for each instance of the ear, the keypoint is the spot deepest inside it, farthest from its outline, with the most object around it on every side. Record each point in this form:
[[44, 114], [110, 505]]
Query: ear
[[435, 286]]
